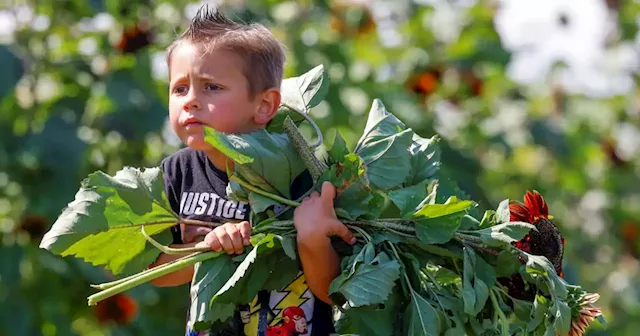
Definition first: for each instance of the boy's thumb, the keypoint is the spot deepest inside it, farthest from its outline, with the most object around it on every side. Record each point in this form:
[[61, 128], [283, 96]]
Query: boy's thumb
[[346, 235], [328, 191]]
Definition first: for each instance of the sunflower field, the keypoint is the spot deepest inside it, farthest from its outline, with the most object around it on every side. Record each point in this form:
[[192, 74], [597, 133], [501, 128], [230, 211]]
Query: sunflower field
[[532, 101]]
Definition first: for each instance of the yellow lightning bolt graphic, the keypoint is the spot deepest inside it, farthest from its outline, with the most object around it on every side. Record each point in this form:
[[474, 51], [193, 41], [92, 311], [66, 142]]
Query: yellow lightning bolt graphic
[[294, 291], [251, 327]]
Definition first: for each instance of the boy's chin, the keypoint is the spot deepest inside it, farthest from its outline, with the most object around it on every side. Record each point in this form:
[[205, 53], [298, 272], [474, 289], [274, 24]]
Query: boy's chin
[[197, 142]]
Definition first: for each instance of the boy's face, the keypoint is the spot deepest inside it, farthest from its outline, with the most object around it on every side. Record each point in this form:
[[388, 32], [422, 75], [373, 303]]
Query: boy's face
[[210, 89]]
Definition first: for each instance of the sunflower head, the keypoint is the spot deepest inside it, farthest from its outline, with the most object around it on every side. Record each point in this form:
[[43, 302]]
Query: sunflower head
[[547, 240], [120, 309], [533, 208]]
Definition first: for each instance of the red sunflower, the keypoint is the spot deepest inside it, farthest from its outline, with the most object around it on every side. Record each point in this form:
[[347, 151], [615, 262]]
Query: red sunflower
[[547, 240], [120, 309]]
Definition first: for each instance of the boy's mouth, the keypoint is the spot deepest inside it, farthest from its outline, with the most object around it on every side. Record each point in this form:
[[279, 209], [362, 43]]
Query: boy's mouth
[[192, 122]]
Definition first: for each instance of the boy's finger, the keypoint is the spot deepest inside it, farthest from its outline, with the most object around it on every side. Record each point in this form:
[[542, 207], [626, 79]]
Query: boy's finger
[[225, 241], [328, 191], [236, 238], [346, 235], [211, 241], [245, 232]]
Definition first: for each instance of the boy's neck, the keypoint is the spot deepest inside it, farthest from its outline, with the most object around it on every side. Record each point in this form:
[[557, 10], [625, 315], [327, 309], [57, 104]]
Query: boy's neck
[[219, 160]]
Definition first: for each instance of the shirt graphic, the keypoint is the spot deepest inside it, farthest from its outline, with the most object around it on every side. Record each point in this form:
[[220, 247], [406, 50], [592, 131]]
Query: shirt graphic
[[288, 313], [211, 204]]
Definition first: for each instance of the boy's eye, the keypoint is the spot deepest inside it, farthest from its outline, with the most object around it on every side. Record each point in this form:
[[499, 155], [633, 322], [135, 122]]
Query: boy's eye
[[180, 89], [212, 87]]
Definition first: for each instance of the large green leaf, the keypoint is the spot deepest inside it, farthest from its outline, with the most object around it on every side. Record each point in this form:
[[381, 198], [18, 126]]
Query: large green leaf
[[562, 314], [339, 148], [255, 272], [369, 280], [265, 160], [375, 320], [219, 284], [300, 93], [502, 213], [353, 192], [451, 206], [477, 278], [250, 258], [209, 277], [540, 266], [422, 317], [437, 223], [505, 233], [226, 145], [409, 199], [102, 224], [384, 148], [425, 159]]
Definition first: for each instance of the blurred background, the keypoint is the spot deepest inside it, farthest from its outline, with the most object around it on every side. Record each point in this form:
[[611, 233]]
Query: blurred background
[[526, 94]]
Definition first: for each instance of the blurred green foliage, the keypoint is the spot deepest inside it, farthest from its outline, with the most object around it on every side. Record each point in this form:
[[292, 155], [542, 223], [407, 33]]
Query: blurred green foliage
[[83, 87]]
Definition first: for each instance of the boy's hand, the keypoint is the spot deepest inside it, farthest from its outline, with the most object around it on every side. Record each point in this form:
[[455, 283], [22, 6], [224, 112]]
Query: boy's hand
[[230, 237], [315, 219]]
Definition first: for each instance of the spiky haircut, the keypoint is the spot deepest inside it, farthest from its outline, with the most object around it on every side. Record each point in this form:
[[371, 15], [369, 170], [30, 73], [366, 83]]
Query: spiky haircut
[[263, 55]]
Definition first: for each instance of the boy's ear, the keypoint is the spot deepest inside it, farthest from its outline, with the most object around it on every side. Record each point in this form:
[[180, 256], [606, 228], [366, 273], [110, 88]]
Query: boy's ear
[[269, 103]]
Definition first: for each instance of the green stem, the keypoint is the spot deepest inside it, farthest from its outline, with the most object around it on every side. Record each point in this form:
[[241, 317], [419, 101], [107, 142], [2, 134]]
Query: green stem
[[404, 272], [431, 278], [151, 275], [503, 318], [107, 285], [198, 222], [249, 187], [171, 250], [478, 247], [360, 231], [469, 238], [400, 229], [396, 226]]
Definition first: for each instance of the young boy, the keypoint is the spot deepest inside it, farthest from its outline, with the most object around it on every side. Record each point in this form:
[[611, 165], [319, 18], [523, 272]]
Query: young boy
[[227, 76]]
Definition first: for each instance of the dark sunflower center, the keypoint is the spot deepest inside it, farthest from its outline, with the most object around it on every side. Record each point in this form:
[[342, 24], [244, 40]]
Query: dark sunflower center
[[547, 242]]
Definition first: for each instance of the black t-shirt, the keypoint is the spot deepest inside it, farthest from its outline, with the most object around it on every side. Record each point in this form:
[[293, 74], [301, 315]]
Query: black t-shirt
[[196, 189]]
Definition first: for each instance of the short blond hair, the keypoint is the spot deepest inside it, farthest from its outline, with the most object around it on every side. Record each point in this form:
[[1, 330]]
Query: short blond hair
[[262, 53]]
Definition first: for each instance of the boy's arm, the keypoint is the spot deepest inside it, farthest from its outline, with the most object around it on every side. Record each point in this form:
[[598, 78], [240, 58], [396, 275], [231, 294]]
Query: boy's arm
[[320, 264], [316, 221]]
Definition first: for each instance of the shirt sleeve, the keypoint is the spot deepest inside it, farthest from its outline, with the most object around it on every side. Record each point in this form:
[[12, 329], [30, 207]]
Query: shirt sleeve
[[172, 196]]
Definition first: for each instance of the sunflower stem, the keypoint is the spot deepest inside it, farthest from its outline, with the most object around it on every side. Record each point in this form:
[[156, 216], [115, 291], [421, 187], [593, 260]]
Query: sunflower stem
[[151, 275], [107, 285], [259, 191], [171, 250], [498, 310]]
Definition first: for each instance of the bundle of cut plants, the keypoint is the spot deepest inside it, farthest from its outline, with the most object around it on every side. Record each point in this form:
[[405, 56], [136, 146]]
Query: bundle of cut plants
[[425, 262]]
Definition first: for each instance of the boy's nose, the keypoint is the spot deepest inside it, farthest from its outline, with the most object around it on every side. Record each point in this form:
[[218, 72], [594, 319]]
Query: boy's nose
[[191, 105]]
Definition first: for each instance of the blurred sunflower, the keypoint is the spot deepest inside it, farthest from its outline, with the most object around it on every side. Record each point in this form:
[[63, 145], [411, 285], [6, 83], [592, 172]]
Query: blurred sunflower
[[120, 309]]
